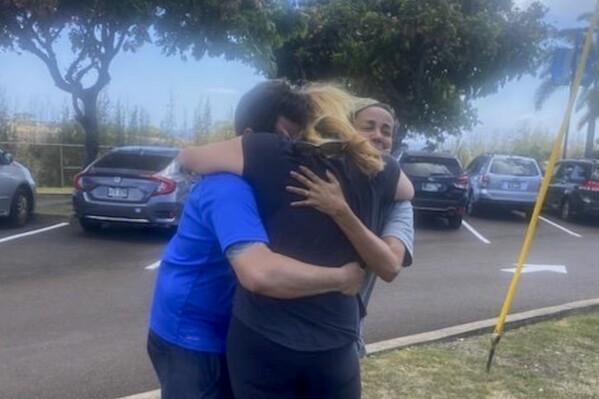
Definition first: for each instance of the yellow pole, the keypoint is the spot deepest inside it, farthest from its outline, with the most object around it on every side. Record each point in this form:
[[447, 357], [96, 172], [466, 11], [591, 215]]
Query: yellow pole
[[543, 191]]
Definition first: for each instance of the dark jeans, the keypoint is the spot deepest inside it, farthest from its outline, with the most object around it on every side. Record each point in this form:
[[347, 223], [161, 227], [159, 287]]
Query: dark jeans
[[263, 369], [188, 374]]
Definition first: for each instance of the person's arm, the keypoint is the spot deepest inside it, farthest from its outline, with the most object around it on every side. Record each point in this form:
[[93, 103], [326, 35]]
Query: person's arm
[[221, 156], [327, 196], [398, 231], [228, 209], [264, 272], [405, 189]]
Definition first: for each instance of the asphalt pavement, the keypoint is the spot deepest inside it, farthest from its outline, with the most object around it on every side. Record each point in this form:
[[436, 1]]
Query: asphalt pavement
[[74, 305]]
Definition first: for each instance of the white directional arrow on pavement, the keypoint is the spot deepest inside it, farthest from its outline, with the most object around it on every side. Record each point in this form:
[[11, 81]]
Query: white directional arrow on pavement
[[529, 268]]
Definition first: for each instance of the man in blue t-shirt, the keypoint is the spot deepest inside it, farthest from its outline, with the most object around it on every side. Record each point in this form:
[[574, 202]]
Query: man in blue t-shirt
[[192, 301]]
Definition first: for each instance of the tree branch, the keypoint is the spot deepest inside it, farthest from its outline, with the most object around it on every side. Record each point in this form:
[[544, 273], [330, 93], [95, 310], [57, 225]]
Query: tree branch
[[28, 39]]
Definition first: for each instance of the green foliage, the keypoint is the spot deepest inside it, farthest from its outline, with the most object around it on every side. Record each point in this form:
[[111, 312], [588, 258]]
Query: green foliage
[[427, 58], [244, 30]]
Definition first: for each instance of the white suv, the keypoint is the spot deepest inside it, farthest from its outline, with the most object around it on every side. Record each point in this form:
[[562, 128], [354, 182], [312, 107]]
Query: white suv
[[17, 191]]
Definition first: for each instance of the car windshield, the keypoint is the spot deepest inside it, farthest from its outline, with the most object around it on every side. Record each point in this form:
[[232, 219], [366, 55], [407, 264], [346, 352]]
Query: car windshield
[[514, 167], [134, 161], [429, 166]]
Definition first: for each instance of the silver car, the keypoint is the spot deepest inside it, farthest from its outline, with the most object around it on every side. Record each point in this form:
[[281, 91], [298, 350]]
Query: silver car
[[17, 191], [505, 181], [139, 185]]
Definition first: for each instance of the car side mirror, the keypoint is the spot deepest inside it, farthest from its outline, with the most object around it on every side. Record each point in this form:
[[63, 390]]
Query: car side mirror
[[6, 158]]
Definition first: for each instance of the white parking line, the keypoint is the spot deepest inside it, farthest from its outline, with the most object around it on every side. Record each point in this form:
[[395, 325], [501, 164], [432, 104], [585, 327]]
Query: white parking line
[[560, 227], [476, 233], [153, 266], [30, 233]]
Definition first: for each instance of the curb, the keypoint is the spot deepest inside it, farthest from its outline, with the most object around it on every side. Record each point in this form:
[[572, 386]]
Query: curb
[[485, 326], [475, 328]]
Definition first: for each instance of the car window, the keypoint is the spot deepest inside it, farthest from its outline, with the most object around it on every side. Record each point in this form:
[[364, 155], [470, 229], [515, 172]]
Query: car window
[[514, 167], [134, 161], [595, 175], [558, 172], [579, 173], [426, 166]]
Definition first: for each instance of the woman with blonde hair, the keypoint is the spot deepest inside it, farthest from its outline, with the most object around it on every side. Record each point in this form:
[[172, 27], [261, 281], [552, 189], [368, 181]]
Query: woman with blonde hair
[[302, 347]]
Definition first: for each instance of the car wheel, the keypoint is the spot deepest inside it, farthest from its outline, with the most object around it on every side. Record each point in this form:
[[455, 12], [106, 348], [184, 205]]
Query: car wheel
[[455, 222], [89, 225], [565, 211], [20, 209]]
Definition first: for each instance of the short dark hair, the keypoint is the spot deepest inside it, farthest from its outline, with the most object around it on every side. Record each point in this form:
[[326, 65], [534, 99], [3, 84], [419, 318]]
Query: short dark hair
[[260, 108]]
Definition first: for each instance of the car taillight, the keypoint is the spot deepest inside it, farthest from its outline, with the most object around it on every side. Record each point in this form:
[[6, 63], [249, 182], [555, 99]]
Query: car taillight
[[462, 182], [165, 186], [78, 181], [590, 185], [484, 180]]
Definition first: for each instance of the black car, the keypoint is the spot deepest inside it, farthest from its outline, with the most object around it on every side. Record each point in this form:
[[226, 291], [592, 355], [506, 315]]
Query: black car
[[574, 188], [439, 182]]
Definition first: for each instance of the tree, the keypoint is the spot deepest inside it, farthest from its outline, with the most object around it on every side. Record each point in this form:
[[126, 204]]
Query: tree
[[588, 101], [5, 126], [427, 58], [202, 121], [243, 30], [169, 121], [97, 30]]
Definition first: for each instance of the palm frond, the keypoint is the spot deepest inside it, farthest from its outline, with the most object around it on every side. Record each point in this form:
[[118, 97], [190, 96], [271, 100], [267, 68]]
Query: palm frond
[[584, 119], [582, 100], [543, 92]]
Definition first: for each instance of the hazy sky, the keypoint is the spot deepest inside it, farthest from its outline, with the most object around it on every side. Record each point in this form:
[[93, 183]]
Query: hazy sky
[[147, 78]]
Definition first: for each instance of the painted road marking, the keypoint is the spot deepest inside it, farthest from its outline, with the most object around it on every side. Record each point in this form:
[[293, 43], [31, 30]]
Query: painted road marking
[[562, 228], [530, 268], [153, 266], [475, 233], [30, 233]]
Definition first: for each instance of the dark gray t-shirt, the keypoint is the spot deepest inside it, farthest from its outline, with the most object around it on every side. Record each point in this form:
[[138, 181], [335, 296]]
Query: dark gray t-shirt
[[320, 322]]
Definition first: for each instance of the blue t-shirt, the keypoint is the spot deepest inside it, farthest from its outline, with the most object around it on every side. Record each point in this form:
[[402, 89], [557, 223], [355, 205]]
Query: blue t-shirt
[[195, 284]]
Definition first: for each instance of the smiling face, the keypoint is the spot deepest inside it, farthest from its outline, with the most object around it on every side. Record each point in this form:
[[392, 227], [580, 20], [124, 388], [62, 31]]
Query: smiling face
[[376, 124]]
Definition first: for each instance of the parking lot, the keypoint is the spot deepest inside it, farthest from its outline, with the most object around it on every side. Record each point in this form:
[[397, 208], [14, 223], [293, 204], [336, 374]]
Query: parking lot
[[74, 305]]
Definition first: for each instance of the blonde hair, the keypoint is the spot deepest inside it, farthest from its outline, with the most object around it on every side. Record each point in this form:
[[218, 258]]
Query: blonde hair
[[332, 110]]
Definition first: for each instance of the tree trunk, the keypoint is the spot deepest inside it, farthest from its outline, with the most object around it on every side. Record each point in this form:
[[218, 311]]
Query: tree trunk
[[590, 143], [89, 122]]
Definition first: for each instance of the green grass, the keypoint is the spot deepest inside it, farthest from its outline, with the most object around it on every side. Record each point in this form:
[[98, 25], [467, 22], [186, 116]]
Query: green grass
[[553, 359]]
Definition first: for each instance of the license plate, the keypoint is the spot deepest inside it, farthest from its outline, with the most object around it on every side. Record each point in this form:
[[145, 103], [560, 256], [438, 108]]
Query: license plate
[[513, 185], [117, 192], [431, 187]]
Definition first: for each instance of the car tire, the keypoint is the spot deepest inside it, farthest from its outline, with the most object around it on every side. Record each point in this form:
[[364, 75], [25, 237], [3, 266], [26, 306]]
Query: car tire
[[89, 225], [455, 222], [565, 211], [20, 208]]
